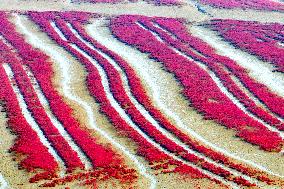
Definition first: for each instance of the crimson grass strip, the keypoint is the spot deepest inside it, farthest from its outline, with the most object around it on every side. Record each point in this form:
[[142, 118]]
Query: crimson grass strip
[[140, 94], [199, 88]]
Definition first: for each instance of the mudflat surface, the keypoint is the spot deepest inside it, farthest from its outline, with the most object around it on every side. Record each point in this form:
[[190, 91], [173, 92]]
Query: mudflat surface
[[163, 89]]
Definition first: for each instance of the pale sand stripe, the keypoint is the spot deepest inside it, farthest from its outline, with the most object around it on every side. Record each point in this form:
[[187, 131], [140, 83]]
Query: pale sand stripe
[[44, 102], [121, 112], [257, 69], [237, 82], [66, 83], [27, 115], [219, 84], [58, 31], [254, 98], [146, 114], [98, 32], [3, 182]]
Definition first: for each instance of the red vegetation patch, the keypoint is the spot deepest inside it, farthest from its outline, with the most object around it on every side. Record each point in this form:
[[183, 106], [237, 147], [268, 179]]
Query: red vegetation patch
[[262, 40], [101, 157], [198, 85], [246, 4], [125, 176], [96, 89], [115, 83]]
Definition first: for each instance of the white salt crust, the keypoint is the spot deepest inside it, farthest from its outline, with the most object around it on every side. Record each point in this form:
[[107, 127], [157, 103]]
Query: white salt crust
[[146, 114], [27, 115], [3, 182], [257, 69], [44, 102], [66, 83], [122, 113], [103, 36], [220, 85], [237, 82]]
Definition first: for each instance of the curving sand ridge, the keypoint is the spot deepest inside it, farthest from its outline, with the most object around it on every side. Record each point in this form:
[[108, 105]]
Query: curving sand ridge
[[101, 34], [31, 120], [141, 94], [69, 74], [255, 99], [261, 72], [45, 104], [68, 92], [257, 69], [55, 122], [146, 114], [141, 63], [115, 104], [219, 84]]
